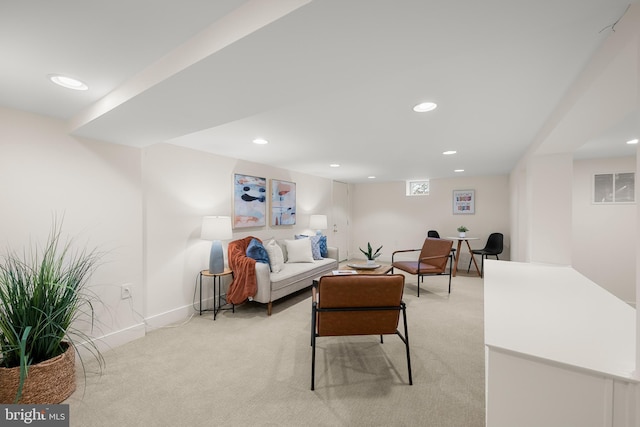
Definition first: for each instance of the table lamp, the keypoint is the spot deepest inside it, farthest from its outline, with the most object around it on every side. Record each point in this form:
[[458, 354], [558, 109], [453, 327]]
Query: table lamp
[[216, 228], [318, 223]]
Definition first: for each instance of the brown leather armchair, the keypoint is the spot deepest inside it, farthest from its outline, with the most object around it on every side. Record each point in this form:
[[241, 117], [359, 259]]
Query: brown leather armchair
[[359, 304], [432, 260]]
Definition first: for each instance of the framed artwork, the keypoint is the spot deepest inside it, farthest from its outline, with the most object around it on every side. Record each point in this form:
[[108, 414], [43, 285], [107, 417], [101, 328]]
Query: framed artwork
[[464, 202], [283, 202], [249, 201]]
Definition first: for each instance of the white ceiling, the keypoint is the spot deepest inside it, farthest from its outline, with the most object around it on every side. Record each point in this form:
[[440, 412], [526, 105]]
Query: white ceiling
[[325, 81]]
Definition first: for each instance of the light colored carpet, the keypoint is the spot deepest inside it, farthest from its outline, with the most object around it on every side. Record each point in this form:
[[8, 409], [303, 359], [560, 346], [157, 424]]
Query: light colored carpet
[[248, 369]]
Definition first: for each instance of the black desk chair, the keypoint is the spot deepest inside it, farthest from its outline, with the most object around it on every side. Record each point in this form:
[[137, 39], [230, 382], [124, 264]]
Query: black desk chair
[[494, 246]]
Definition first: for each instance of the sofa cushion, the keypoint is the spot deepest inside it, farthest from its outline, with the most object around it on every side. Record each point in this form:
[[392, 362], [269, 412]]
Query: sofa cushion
[[299, 250], [276, 257], [315, 245], [283, 246], [324, 249], [291, 274], [257, 251]]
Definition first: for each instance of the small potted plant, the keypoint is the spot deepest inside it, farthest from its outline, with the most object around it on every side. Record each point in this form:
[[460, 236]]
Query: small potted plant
[[462, 230], [370, 254]]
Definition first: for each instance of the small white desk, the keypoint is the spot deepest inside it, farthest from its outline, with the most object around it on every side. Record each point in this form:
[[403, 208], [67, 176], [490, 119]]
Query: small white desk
[[460, 240]]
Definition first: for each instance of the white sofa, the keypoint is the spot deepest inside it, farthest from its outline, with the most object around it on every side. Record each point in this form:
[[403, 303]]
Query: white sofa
[[292, 277]]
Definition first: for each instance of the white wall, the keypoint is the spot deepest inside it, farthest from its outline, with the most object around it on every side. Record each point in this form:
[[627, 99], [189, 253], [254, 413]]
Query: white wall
[[549, 177], [182, 186], [603, 236], [383, 215], [520, 215], [605, 93], [597, 244], [143, 207], [96, 187]]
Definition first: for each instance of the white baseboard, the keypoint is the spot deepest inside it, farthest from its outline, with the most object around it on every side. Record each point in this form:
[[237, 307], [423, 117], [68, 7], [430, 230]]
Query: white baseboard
[[172, 318], [112, 340], [169, 318]]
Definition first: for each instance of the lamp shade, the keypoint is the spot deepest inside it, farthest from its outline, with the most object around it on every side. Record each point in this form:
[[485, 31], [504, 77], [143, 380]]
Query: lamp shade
[[216, 228], [318, 222]]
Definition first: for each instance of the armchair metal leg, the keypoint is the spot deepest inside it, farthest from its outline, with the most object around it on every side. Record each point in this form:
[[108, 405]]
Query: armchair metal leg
[[406, 341], [313, 345], [313, 363]]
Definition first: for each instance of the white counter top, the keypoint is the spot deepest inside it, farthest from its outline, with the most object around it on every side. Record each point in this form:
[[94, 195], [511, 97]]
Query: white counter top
[[556, 314]]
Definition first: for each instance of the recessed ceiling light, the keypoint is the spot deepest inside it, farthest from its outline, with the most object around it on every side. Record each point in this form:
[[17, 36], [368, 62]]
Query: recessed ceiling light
[[448, 153], [424, 107], [459, 170], [371, 177], [633, 141], [334, 165], [68, 82], [260, 141]]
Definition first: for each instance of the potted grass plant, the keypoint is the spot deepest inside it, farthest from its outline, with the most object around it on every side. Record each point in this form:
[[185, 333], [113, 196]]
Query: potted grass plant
[[462, 231], [370, 254], [42, 296]]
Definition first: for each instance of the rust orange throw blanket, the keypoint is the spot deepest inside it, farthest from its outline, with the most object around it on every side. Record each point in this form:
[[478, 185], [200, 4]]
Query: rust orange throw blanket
[[244, 284]]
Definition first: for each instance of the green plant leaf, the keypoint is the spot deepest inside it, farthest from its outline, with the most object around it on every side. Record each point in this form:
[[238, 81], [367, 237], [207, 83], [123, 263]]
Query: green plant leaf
[[24, 363], [369, 253]]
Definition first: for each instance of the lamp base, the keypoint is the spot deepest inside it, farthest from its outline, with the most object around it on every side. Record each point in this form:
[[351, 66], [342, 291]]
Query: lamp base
[[216, 258]]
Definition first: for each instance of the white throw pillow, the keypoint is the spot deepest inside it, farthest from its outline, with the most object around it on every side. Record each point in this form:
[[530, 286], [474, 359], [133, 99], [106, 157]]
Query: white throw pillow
[[299, 250], [276, 257], [315, 245]]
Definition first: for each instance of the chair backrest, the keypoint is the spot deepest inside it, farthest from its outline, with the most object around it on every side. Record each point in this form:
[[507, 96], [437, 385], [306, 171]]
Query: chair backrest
[[436, 247], [358, 291], [494, 243], [433, 233]]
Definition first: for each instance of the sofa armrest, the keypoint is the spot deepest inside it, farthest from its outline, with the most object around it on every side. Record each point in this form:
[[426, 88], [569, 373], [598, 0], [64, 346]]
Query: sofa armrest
[[332, 252], [263, 282]]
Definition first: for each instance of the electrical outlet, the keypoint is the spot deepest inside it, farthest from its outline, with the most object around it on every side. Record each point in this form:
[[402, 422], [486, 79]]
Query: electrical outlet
[[125, 291]]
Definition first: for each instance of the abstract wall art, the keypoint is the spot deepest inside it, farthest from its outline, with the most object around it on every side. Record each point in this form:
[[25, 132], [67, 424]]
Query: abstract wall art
[[249, 201], [283, 202]]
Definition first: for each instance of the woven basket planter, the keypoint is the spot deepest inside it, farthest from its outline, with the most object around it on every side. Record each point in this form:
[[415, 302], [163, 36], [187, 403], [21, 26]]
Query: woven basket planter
[[48, 382]]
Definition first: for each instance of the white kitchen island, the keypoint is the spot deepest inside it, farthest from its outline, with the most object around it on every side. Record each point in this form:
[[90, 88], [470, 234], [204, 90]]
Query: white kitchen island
[[560, 350]]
